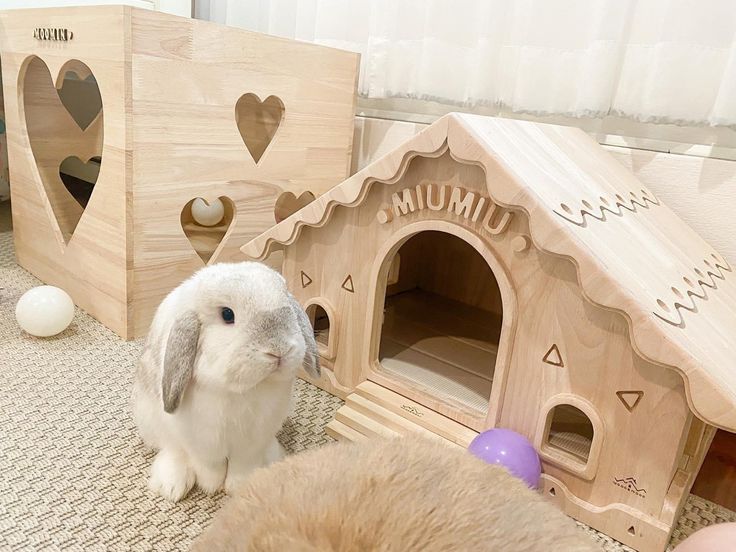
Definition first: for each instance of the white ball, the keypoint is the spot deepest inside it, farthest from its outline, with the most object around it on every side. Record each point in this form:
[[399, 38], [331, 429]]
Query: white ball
[[44, 311], [207, 215]]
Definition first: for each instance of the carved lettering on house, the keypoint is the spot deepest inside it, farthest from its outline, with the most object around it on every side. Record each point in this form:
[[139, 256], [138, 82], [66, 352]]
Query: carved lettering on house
[[49, 33], [462, 206], [403, 203], [452, 199]]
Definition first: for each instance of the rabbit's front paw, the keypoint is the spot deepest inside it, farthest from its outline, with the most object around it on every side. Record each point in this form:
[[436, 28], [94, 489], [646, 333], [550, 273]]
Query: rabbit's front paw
[[210, 477], [171, 476]]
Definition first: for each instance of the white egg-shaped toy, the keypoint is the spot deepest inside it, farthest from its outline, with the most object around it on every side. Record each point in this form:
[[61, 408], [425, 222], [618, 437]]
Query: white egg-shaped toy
[[207, 214], [44, 311]]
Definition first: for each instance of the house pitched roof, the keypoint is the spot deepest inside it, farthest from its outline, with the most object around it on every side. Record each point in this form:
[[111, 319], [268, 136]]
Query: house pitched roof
[[632, 253]]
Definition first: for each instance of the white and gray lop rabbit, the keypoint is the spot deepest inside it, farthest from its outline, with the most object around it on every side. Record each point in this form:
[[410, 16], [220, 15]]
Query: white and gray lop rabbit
[[214, 382]]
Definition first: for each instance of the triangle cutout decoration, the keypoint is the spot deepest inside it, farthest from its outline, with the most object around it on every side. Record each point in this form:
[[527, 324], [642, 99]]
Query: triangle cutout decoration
[[553, 357], [347, 284], [306, 280], [630, 399]]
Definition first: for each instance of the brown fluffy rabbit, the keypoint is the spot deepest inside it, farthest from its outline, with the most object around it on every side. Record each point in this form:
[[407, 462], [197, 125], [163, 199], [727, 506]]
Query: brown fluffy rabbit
[[404, 494]]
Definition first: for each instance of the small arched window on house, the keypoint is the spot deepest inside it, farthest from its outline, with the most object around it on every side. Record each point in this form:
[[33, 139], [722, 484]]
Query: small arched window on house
[[321, 319], [571, 438]]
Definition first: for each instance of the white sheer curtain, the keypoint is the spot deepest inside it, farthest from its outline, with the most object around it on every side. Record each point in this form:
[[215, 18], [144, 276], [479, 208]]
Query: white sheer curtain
[[651, 60]]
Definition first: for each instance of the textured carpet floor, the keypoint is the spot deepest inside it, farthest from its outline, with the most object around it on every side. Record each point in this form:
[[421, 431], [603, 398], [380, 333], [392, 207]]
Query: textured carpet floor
[[72, 470]]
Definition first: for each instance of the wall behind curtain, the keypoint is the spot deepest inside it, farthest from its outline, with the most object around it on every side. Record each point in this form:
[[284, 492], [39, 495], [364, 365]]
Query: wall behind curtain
[[650, 60]]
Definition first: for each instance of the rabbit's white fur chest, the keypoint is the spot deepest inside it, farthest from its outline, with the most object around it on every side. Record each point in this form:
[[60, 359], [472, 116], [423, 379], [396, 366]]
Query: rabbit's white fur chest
[[232, 425], [212, 388], [216, 425]]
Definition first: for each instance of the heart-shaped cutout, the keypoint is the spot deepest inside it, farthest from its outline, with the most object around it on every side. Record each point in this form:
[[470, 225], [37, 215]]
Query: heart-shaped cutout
[[79, 178], [287, 204], [55, 135], [258, 122], [206, 223], [80, 96]]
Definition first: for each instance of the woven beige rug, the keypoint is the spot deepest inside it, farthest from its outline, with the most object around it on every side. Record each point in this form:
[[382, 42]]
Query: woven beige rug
[[72, 470]]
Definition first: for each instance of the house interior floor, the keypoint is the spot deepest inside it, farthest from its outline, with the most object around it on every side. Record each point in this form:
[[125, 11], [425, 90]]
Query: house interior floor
[[72, 469], [452, 356]]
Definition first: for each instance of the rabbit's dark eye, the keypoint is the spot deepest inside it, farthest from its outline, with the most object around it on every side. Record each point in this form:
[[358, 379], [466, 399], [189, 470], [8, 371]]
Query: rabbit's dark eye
[[227, 315]]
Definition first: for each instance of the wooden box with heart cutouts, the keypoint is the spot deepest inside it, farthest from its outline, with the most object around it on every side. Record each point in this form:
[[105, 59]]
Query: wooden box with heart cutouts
[[160, 111]]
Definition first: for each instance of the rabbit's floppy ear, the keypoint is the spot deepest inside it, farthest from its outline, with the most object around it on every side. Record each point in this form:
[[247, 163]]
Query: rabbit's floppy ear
[[181, 351], [311, 356]]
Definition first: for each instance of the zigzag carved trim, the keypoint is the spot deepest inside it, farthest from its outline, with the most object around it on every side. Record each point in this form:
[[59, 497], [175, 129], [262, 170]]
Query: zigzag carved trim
[[600, 212], [685, 301]]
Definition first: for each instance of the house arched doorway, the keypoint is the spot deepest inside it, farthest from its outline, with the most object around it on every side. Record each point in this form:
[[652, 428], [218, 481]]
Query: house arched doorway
[[444, 322]]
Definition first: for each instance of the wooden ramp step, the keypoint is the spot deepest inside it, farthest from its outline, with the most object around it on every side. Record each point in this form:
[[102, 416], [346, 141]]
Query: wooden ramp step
[[341, 432], [365, 424], [375, 411]]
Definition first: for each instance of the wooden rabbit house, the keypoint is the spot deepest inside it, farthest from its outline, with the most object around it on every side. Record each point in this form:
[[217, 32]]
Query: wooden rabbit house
[[500, 273], [158, 111]]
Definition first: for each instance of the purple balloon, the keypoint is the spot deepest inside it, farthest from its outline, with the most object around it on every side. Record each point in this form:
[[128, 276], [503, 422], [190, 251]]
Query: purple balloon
[[511, 450]]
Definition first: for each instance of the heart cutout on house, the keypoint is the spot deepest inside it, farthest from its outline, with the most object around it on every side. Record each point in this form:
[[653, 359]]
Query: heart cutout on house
[[206, 225], [287, 204], [258, 122], [79, 178], [79, 93], [57, 134]]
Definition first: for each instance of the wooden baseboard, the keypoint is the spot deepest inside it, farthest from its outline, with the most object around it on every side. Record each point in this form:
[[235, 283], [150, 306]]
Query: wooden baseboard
[[621, 522]]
